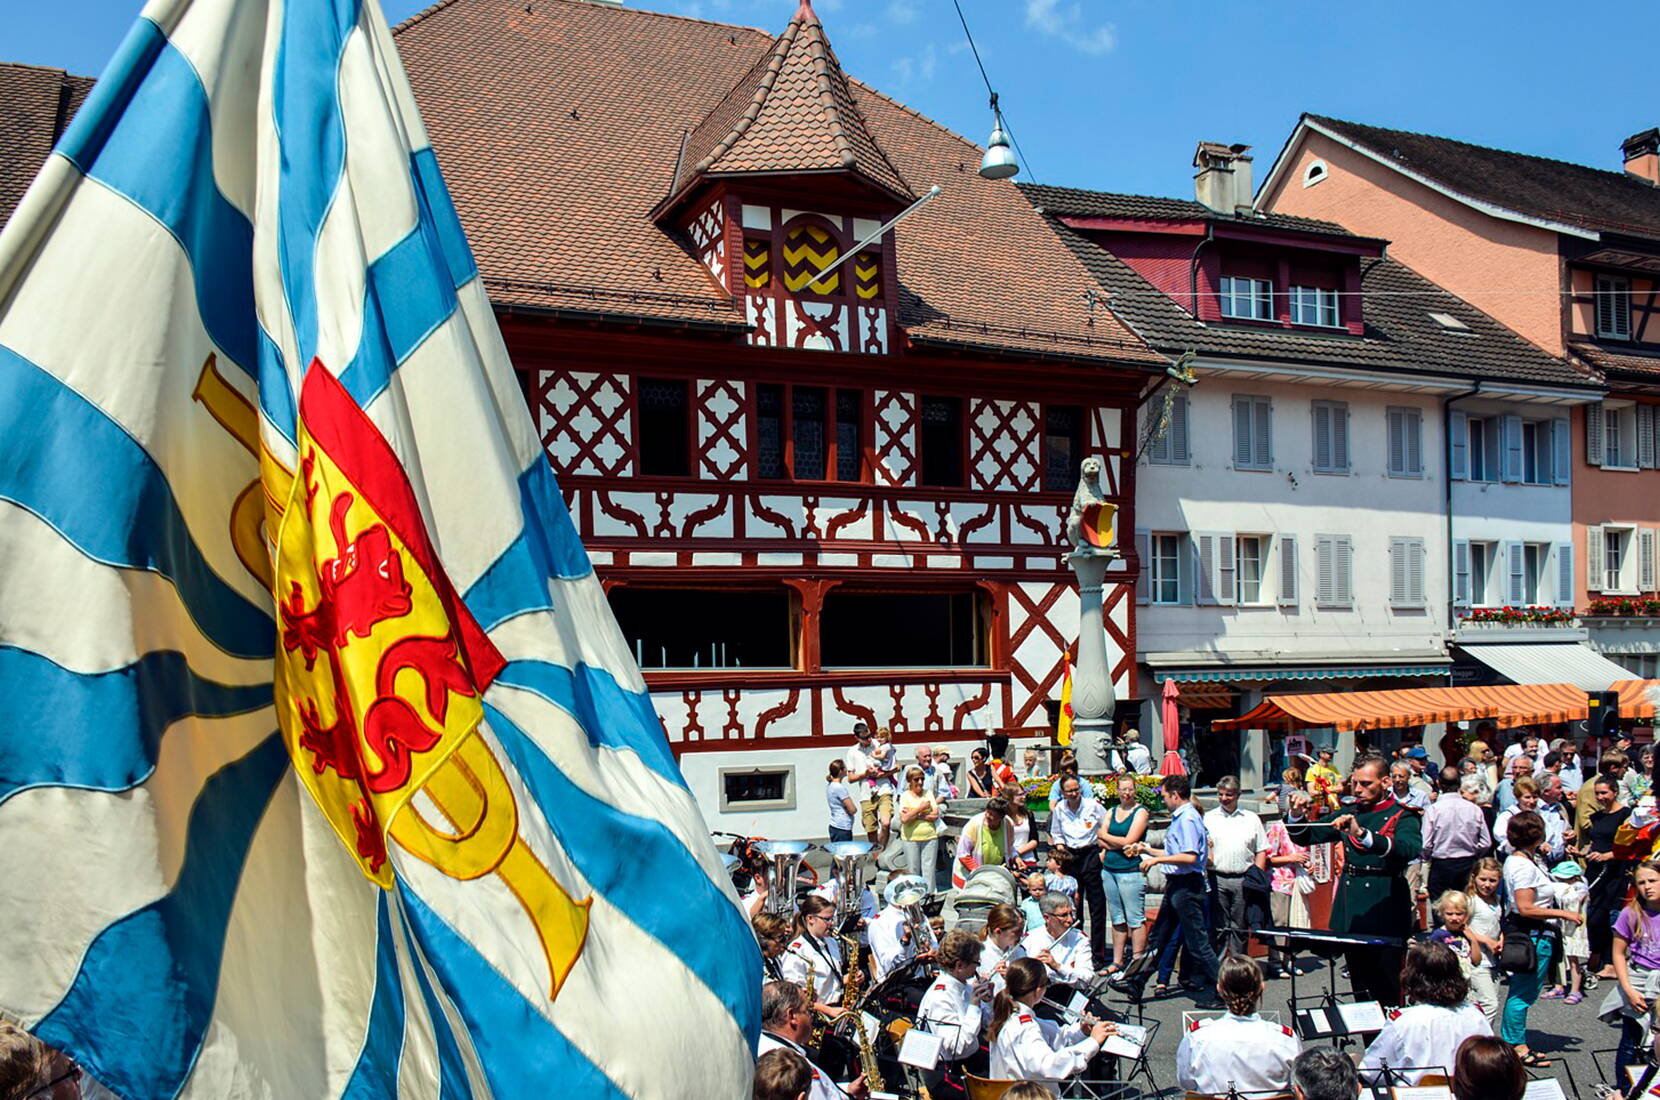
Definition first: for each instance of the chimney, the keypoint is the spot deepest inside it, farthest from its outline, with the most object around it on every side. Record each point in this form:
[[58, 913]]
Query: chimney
[[1223, 183], [1642, 155]]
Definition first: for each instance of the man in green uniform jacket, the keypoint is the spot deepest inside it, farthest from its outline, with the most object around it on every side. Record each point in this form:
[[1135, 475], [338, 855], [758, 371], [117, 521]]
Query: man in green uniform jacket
[[1380, 837]]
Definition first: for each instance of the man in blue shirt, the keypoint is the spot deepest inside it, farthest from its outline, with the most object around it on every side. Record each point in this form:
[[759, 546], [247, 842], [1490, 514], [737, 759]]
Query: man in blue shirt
[[1185, 854]]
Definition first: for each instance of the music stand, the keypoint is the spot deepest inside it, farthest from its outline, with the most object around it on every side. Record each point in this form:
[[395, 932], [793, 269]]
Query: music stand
[[1139, 1065]]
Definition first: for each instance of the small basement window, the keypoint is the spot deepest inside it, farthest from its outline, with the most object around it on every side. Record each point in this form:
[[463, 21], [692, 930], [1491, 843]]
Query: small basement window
[[685, 628], [903, 630], [757, 788]]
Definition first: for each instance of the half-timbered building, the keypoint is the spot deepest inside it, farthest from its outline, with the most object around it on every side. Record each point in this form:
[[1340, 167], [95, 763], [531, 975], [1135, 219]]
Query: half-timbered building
[[815, 496]]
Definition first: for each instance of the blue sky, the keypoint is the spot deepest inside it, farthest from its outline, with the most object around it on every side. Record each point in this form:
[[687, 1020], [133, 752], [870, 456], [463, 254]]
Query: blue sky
[[1113, 94]]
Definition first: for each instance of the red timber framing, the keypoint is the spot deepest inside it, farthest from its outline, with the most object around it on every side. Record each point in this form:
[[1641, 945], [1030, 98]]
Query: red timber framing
[[997, 535]]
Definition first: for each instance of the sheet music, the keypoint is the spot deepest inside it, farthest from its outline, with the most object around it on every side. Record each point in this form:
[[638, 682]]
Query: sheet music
[[1544, 1088], [1079, 1004], [1422, 1092], [920, 1049], [1363, 1016], [1120, 1047]]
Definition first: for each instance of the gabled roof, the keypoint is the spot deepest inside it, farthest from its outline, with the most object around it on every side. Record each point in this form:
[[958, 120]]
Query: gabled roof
[[793, 111], [557, 129], [1538, 189], [1622, 365], [35, 105], [1400, 335], [1072, 201]]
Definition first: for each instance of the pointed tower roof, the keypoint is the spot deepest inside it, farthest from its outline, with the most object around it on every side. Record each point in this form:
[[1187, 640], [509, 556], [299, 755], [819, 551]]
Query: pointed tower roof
[[794, 111]]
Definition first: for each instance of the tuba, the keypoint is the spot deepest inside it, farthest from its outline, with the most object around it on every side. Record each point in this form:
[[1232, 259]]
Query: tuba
[[783, 865], [909, 898], [847, 865]]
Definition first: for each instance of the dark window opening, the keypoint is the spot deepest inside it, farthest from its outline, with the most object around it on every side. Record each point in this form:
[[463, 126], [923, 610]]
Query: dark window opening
[[903, 630], [684, 628], [941, 440], [1063, 447], [664, 429], [769, 431], [757, 786], [849, 436], [808, 433]]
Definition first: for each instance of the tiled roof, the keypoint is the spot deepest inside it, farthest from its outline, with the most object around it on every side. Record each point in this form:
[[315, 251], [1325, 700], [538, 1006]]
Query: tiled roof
[[1101, 204], [1400, 334], [1618, 365], [1550, 190], [792, 112], [557, 129], [35, 106]]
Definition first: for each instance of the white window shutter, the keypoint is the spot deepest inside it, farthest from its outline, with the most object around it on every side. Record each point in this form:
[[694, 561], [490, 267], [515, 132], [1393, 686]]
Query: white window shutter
[[1204, 553], [1322, 436], [1461, 573], [1288, 570], [1226, 584], [1645, 559], [1512, 457], [1144, 553], [1177, 433], [1560, 450], [1460, 448], [1242, 424], [1645, 436], [1340, 436], [1565, 574], [1415, 572], [1397, 572], [1516, 558], [1264, 432], [1345, 571], [1593, 559], [1593, 434]]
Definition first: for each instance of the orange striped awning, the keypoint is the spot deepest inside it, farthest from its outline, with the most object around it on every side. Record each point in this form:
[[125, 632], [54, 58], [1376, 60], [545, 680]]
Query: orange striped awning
[[1507, 706], [1636, 698]]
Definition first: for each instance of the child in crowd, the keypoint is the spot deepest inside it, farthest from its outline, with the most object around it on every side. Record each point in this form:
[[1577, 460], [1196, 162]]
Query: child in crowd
[[1482, 894], [1453, 907], [1055, 875], [1636, 970], [1035, 889], [1571, 893]]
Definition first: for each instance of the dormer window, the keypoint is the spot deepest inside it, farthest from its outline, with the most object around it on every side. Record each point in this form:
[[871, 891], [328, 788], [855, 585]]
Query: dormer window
[[1312, 305], [1247, 299]]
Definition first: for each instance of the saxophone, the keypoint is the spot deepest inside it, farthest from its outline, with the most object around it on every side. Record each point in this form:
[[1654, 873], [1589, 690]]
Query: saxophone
[[850, 998], [817, 1036]]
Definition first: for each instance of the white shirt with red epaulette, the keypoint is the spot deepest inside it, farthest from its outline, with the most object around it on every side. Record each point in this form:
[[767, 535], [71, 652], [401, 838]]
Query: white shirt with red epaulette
[[950, 1013], [823, 1088], [890, 942], [991, 957], [1030, 1049], [1073, 961], [1422, 1039], [823, 958], [1243, 1053]]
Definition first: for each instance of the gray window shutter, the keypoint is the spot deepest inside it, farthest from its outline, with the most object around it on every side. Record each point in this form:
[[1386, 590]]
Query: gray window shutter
[[1184, 569], [1226, 586], [1340, 436], [1593, 434], [1516, 558], [1415, 572], [1559, 449], [1512, 457], [1288, 570], [1144, 553], [1242, 424], [1322, 435], [1645, 436], [1593, 559], [1158, 447], [1397, 442], [1204, 552], [1460, 429], [1176, 442], [1325, 570], [1461, 573], [1414, 431], [1397, 572], [1264, 432], [1645, 559], [1345, 554], [1565, 574]]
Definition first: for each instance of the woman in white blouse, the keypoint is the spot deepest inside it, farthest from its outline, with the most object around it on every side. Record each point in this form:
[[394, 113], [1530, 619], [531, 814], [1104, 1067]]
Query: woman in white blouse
[[1424, 1036], [1025, 1048], [1005, 927]]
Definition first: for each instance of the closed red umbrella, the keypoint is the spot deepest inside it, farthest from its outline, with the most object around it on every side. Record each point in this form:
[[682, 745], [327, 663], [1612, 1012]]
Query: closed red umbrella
[[1172, 764]]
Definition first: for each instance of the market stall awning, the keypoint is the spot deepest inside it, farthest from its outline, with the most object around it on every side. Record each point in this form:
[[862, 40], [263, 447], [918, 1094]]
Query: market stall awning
[[1550, 663], [1637, 697], [1507, 705]]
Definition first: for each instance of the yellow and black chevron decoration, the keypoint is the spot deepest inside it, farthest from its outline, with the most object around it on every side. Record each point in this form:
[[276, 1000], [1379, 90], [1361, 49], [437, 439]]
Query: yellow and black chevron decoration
[[809, 249], [757, 263], [867, 275]]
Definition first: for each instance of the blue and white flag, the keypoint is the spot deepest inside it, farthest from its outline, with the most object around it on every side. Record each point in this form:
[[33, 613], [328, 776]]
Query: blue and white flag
[[324, 769]]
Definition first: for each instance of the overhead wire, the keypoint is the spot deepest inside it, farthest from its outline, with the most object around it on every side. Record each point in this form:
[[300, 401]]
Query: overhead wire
[[995, 106]]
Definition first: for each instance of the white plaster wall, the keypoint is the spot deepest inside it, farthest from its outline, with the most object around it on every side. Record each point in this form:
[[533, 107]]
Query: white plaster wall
[[1367, 504]]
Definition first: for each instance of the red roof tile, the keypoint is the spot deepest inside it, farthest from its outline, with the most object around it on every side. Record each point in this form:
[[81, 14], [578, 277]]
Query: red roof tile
[[557, 128], [35, 106]]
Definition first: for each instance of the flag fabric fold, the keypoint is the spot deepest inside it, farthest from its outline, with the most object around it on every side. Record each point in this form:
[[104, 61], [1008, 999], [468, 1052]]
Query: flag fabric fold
[[326, 771]]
